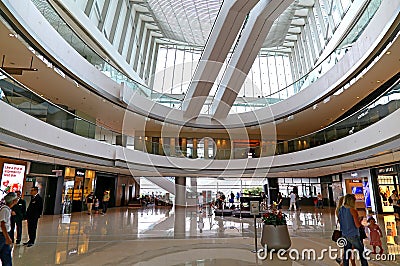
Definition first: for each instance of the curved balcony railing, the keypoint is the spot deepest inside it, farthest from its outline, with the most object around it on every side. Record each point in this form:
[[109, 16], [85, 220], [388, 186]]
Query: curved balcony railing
[[65, 31], [327, 63], [172, 101], [19, 96]]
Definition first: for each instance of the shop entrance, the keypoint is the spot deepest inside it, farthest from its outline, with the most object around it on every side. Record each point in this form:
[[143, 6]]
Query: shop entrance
[[50, 195], [78, 183], [130, 193], [47, 186], [106, 182]]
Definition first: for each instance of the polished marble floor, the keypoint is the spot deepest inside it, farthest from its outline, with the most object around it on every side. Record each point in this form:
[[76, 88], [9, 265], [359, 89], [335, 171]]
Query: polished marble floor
[[160, 236]]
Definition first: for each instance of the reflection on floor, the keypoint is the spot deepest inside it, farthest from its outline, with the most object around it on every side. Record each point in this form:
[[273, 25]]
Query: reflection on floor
[[160, 236]]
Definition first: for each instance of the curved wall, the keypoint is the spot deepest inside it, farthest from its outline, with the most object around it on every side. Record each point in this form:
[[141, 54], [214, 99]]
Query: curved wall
[[38, 28], [25, 132]]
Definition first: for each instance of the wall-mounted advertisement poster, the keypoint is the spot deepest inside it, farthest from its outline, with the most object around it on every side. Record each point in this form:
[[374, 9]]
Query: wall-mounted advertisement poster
[[12, 178], [367, 194]]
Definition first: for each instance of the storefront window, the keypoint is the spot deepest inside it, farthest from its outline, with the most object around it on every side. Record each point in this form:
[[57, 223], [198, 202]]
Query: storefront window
[[306, 187], [355, 186], [386, 185], [68, 189], [78, 183]]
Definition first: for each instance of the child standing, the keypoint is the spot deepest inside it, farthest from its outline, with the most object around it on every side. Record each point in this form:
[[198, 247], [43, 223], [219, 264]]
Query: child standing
[[96, 205], [375, 235]]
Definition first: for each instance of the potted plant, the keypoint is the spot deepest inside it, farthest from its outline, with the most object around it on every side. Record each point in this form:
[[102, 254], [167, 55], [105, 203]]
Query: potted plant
[[275, 233]]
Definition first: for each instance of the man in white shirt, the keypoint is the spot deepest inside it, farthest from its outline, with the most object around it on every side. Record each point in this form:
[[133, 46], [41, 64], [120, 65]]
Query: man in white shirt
[[200, 200], [292, 201], [5, 240]]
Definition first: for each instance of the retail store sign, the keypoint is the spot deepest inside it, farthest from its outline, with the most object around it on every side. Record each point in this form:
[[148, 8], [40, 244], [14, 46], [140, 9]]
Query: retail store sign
[[385, 170], [80, 172]]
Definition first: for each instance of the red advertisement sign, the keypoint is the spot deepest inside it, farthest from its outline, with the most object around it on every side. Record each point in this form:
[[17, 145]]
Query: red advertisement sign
[[12, 178]]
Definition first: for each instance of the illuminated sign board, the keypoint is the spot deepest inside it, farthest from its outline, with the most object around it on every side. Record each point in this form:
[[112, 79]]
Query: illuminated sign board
[[12, 178]]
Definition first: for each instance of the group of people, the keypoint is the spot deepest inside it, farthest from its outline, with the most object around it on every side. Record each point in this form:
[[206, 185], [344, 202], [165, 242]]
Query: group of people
[[354, 232], [93, 201], [294, 201], [12, 212]]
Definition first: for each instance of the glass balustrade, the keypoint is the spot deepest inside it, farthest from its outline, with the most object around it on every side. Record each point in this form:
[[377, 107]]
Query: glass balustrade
[[169, 100], [50, 14], [326, 64], [17, 95]]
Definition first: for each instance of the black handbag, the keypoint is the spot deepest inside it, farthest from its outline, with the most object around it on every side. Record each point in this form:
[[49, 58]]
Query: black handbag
[[336, 235]]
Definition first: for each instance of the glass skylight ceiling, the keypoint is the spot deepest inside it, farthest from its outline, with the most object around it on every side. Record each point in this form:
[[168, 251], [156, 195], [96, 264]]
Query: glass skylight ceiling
[[187, 21], [291, 49]]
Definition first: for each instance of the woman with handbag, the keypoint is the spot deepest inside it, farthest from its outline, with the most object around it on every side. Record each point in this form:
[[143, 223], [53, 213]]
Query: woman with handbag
[[338, 234], [349, 225]]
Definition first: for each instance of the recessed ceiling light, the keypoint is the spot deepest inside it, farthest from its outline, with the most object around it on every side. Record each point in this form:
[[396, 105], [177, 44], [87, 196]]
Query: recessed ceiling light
[[358, 97], [388, 52], [378, 81], [342, 109]]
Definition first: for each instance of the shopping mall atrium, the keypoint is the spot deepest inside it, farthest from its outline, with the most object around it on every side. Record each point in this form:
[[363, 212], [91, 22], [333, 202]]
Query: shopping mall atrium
[[198, 119]]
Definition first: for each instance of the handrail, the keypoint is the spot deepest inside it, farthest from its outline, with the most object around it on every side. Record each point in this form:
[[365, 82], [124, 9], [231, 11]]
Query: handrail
[[19, 96], [290, 90], [69, 35], [336, 54]]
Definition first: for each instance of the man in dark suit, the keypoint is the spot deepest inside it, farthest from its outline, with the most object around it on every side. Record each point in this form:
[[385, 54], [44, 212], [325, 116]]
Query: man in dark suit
[[33, 213], [17, 215]]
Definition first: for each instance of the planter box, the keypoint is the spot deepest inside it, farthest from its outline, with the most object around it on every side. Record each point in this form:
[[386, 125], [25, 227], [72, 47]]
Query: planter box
[[275, 237]]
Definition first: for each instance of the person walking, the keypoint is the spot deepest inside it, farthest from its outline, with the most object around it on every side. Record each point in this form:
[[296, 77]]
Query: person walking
[[106, 200], [394, 200], [33, 214], [320, 203], [375, 235], [5, 240], [18, 213], [89, 202], [349, 225], [279, 200], [200, 201], [292, 201]]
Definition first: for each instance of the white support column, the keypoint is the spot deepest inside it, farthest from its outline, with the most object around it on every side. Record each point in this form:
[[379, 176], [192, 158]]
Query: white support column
[[180, 191]]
